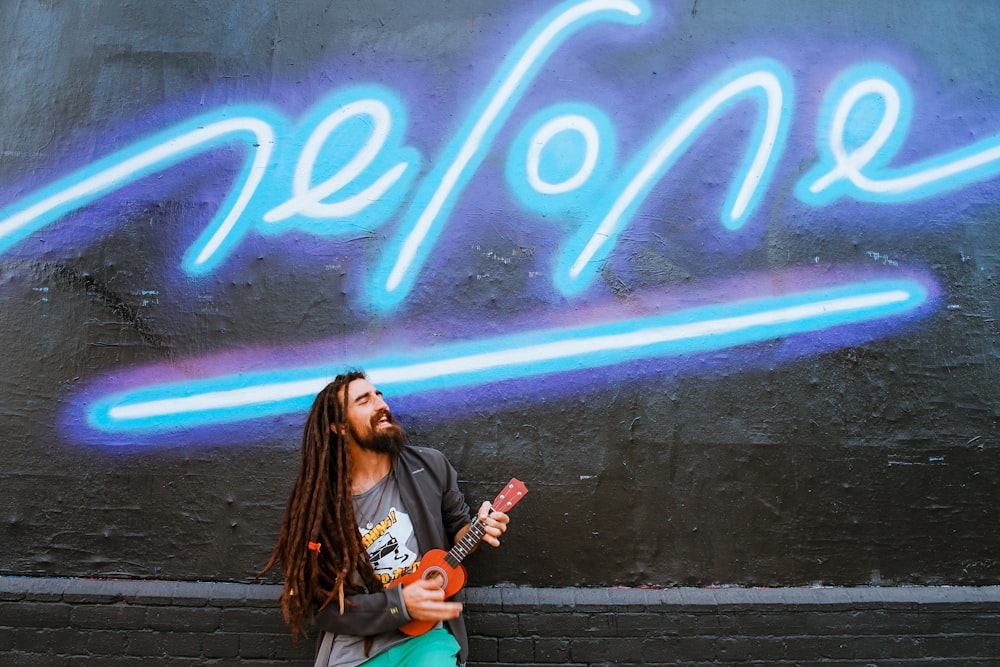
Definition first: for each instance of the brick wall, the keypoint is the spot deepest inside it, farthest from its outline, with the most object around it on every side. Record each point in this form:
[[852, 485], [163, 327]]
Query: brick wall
[[47, 621]]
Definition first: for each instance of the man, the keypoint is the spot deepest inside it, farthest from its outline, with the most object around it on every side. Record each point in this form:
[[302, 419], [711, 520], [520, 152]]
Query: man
[[363, 507]]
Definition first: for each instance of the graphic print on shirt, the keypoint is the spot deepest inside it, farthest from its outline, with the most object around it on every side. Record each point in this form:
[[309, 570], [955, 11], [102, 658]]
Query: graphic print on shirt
[[390, 544]]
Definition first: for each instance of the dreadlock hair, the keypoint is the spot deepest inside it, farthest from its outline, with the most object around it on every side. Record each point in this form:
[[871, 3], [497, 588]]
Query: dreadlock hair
[[318, 546]]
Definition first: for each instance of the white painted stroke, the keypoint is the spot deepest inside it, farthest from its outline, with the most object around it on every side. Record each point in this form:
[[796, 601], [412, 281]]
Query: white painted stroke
[[568, 123], [764, 80], [849, 165], [127, 171], [308, 199], [569, 346], [471, 146], [227, 399]]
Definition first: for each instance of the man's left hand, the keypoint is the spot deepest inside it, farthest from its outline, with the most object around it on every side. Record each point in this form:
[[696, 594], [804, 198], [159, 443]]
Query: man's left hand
[[496, 524]]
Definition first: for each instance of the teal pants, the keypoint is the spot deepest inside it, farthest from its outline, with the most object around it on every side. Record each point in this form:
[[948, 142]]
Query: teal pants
[[436, 648]]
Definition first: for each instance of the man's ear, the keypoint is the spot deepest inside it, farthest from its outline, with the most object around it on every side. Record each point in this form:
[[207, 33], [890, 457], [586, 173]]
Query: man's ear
[[338, 429]]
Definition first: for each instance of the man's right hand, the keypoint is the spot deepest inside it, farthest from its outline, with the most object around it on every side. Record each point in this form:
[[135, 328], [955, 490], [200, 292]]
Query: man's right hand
[[424, 600]]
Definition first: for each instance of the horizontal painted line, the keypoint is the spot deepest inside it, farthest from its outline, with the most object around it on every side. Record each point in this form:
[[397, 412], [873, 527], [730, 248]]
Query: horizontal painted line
[[237, 397]]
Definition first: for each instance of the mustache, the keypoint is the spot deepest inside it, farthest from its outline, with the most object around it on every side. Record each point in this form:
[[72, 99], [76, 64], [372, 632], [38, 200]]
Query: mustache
[[389, 439], [377, 417]]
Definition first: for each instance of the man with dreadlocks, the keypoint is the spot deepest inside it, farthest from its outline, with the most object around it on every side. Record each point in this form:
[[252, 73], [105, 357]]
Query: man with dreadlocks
[[362, 509]]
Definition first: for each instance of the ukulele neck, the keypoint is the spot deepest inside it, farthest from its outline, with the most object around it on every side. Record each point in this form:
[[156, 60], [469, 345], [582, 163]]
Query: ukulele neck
[[510, 496], [465, 546]]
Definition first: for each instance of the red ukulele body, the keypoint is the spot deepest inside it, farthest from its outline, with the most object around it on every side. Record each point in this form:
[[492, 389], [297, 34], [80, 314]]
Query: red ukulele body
[[447, 565]]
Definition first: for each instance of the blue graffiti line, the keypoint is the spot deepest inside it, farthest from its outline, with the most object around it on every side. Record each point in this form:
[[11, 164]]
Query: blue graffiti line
[[863, 123], [372, 171], [587, 250], [345, 165], [245, 126], [559, 161], [369, 169], [239, 397], [393, 279]]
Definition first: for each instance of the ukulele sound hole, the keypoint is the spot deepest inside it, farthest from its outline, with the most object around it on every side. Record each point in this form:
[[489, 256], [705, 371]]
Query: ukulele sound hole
[[437, 575]]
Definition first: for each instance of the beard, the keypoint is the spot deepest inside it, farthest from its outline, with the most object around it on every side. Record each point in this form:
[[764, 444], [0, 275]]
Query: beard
[[389, 439]]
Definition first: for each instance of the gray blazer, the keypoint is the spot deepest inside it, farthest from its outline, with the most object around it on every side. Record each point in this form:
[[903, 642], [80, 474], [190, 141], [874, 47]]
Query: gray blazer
[[428, 487]]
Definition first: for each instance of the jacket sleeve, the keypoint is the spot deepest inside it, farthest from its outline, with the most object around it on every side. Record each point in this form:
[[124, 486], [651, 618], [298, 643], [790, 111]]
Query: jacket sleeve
[[364, 614], [436, 506]]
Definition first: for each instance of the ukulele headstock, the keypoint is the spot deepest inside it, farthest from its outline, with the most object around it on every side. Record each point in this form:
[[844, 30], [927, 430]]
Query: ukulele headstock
[[510, 496]]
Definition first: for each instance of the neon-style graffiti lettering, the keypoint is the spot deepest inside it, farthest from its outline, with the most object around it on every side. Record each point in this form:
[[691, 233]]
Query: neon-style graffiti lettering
[[767, 80], [248, 127], [863, 123], [378, 171], [345, 166], [245, 396], [373, 176], [540, 140], [864, 120], [559, 161], [422, 224], [250, 205]]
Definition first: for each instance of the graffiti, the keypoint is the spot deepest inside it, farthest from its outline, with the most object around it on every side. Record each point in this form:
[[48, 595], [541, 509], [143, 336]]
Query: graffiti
[[345, 166], [240, 397], [864, 123], [424, 220], [589, 248], [159, 152]]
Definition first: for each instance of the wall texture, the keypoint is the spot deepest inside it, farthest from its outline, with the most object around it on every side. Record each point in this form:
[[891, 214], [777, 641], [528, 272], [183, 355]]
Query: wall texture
[[717, 280]]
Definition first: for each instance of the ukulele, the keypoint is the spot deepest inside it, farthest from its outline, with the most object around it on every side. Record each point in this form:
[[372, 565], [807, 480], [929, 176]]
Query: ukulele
[[448, 564]]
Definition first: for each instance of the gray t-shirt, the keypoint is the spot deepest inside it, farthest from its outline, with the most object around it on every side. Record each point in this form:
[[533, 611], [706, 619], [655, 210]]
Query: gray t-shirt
[[387, 534]]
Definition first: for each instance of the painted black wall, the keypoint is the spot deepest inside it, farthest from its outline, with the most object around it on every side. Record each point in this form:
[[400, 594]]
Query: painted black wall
[[852, 453]]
